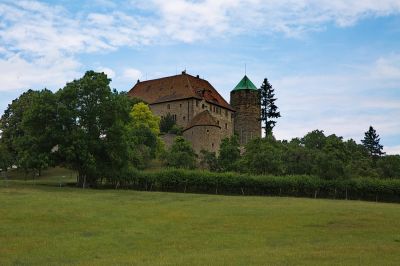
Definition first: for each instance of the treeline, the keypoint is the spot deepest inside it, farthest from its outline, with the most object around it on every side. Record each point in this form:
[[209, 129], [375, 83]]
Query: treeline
[[328, 157], [85, 126], [104, 135]]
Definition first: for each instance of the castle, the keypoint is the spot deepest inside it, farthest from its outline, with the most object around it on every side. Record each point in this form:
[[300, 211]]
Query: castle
[[197, 107]]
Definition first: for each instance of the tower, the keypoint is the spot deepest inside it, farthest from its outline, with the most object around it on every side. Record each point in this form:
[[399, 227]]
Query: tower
[[246, 102]]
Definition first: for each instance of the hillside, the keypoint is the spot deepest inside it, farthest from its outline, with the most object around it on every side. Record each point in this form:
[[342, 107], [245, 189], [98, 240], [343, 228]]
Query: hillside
[[47, 224]]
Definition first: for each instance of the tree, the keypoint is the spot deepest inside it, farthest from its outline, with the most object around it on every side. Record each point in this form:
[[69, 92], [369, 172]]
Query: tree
[[166, 123], [11, 123], [269, 111], [314, 140], [389, 166], [208, 160], [41, 132], [264, 156], [143, 117], [181, 154], [229, 154], [371, 143], [96, 138], [144, 131], [30, 130], [5, 157]]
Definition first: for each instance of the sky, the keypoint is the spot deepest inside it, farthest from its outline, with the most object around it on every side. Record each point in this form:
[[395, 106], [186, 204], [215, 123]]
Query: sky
[[334, 64]]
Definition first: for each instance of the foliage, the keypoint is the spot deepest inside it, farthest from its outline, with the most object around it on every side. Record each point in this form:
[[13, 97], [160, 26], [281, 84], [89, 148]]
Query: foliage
[[269, 110], [5, 157], [177, 130], [30, 130], [97, 141], [229, 154], [209, 160], [142, 117], [181, 180], [264, 156], [144, 130], [181, 154], [371, 143], [389, 166], [166, 123]]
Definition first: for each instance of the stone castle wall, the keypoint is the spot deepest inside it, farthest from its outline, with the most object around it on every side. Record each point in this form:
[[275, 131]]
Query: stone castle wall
[[204, 138], [247, 117], [185, 110]]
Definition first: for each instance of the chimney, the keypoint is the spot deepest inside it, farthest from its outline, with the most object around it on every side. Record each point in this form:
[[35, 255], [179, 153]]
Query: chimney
[[184, 72], [197, 76], [138, 81]]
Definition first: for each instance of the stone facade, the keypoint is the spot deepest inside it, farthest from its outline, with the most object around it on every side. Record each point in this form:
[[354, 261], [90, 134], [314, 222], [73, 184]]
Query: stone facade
[[204, 138], [247, 116], [207, 137], [195, 105], [184, 111]]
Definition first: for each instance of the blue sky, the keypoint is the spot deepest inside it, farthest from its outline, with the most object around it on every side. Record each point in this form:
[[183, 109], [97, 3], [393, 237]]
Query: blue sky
[[335, 65]]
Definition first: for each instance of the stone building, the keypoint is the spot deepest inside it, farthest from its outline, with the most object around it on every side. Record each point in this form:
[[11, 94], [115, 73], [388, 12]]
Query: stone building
[[245, 99], [196, 106]]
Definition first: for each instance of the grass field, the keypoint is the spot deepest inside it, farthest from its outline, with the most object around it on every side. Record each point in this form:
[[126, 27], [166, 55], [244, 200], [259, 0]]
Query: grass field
[[44, 224]]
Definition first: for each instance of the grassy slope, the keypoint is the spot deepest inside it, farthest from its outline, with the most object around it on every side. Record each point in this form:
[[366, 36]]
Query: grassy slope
[[51, 225]]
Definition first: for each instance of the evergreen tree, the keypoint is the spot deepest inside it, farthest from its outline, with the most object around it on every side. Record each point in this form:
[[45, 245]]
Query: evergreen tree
[[269, 111], [371, 143]]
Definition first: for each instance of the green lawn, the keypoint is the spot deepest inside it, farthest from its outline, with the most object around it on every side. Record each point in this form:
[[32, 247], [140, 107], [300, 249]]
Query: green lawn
[[51, 225]]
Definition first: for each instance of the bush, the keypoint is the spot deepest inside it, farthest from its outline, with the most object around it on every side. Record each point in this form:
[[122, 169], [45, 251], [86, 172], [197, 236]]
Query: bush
[[181, 180], [166, 123], [181, 155]]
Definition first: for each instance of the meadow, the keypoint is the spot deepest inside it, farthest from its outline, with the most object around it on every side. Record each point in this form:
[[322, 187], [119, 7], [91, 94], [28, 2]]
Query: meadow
[[43, 223]]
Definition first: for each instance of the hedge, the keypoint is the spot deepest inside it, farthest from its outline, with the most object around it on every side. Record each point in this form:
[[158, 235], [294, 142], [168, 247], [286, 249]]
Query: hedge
[[196, 181]]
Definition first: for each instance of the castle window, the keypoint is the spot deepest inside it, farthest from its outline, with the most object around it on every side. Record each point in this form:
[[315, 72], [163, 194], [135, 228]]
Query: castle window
[[180, 105], [202, 106], [218, 122], [226, 126], [226, 112], [212, 145], [168, 106], [208, 131], [184, 118]]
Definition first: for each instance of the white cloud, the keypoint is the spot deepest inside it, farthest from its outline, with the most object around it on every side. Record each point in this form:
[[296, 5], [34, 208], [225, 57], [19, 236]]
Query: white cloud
[[190, 21], [392, 150], [40, 43], [341, 103], [132, 74], [108, 71], [18, 73]]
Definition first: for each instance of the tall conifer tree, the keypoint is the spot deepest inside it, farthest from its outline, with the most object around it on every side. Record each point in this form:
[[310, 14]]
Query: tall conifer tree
[[371, 143], [269, 111]]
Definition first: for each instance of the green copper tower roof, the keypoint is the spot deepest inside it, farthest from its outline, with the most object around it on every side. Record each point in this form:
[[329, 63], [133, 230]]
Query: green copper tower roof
[[245, 84]]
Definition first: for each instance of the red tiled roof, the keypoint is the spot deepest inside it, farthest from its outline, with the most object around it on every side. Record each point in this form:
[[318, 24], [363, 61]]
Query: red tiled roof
[[203, 119], [177, 87]]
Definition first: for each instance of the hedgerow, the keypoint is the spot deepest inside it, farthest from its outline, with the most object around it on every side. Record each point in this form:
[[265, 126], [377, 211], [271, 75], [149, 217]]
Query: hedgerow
[[196, 181]]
